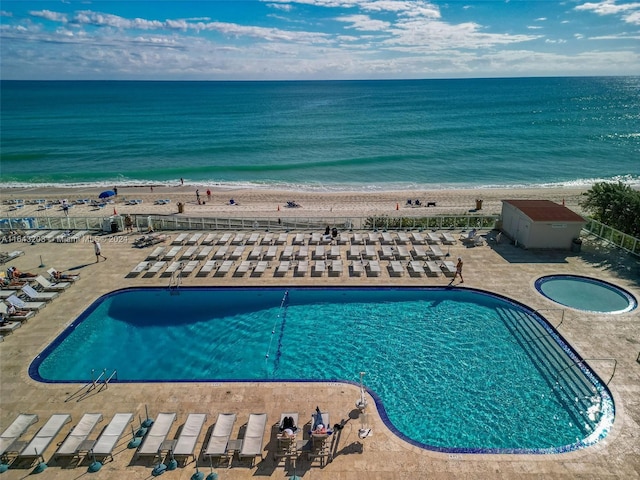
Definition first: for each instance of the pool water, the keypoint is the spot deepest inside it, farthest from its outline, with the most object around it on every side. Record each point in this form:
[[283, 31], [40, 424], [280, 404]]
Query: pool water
[[450, 369], [586, 294]]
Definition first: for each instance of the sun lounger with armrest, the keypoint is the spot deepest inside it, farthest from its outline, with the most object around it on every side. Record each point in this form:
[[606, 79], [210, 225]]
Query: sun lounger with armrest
[[14, 431], [180, 239], [110, 436], [75, 443], [224, 268], [18, 318], [319, 441], [155, 255], [157, 434], [34, 295], [447, 238], [449, 268], [207, 268], [36, 447], [22, 305], [253, 437], [432, 268], [287, 440], [283, 267], [217, 445], [186, 442], [48, 286]]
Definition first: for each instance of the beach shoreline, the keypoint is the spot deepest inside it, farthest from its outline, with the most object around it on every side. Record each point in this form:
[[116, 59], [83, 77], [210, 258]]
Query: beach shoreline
[[273, 202]]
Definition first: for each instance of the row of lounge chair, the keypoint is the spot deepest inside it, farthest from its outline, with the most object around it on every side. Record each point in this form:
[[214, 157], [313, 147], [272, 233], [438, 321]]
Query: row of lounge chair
[[154, 444]]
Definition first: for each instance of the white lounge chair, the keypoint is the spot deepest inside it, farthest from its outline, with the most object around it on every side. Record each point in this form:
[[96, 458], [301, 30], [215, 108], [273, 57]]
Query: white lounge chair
[[67, 277], [271, 253], [156, 435], [253, 437], [433, 238], [138, 269], [260, 268], [219, 440], [48, 286], [343, 238], [189, 253], [180, 239], [387, 238], [319, 448], [208, 240], [416, 268], [316, 238], [299, 239], [155, 268], [402, 252], [207, 268], [319, 253], [449, 268], [237, 252], [395, 268], [282, 239], [319, 268], [193, 240], [18, 318], [155, 255], [255, 253], [447, 238], [303, 252], [417, 238], [75, 444], [13, 432], [36, 447], [110, 436], [420, 252], [224, 239], [357, 268], [172, 268], [224, 268], [373, 268], [171, 254], [334, 252], [189, 267], [370, 252], [302, 268], [355, 252], [204, 252], [242, 269], [221, 253], [403, 238], [387, 253], [9, 327], [335, 268], [267, 239], [253, 239], [436, 252], [432, 268], [186, 442], [287, 253], [22, 305], [36, 296], [357, 239], [283, 268], [238, 239], [287, 444]]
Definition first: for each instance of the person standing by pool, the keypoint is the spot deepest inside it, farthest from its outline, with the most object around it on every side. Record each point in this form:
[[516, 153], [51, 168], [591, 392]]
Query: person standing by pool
[[458, 271], [98, 250]]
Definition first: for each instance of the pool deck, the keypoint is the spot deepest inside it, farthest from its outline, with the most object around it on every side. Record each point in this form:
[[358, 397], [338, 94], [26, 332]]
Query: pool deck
[[500, 268]]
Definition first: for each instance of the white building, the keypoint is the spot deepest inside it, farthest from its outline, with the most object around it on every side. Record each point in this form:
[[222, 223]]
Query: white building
[[540, 223]]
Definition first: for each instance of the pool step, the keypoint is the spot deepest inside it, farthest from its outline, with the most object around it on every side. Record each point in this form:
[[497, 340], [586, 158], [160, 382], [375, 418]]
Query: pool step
[[570, 385]]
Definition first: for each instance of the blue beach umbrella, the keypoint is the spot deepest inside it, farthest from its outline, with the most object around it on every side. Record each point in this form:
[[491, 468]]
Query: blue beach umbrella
[[107, 194]]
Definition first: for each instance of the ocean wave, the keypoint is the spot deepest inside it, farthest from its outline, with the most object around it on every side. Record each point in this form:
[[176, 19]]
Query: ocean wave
[[324, 187]]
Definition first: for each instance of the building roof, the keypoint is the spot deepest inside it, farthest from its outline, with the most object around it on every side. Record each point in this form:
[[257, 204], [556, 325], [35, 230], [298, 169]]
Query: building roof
[[545, 211]]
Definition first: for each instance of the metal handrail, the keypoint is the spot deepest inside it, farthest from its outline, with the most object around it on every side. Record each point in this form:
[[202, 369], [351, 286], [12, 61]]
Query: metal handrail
[[615, 364]]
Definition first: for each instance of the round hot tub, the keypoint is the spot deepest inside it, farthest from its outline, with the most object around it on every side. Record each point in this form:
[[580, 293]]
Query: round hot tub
[[586, 294]]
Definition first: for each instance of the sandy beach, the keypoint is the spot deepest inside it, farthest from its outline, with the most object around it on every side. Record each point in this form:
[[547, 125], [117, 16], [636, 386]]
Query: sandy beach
[[253, 202]]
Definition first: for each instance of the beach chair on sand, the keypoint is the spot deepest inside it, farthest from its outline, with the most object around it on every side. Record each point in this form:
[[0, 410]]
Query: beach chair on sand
[[253, 437], [75, 443], [219, 440], [186, 442], [36, 447], [9, 438], [110, 436], [152, 445]]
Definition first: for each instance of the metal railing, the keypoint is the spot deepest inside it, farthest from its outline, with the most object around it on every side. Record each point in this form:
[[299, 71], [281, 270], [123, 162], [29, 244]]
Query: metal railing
[[143, 223], [611, 235]]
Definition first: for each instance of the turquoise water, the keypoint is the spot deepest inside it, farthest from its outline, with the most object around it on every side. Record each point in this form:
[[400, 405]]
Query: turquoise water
[[586, 294], [446, 358], [324, 135]]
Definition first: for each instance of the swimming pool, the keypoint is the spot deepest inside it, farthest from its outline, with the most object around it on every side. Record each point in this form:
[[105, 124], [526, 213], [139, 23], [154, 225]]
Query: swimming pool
[[586, 294], [456, 370]]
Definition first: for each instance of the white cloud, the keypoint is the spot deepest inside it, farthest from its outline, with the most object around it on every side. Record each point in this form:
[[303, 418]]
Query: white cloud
[[364, 22], [49, 15], [607, 7]]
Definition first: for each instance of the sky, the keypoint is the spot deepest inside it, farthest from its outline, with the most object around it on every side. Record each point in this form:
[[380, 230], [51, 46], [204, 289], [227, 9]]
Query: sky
[[316, 39]]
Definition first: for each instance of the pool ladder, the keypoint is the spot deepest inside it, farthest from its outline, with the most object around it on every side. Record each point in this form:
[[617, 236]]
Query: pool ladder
[[105, 381]]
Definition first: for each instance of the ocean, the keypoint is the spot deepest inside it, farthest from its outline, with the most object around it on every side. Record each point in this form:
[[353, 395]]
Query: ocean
[[324, 135]]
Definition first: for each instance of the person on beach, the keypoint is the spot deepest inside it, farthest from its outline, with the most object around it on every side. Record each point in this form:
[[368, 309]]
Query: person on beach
[[198, 196], [458, 271], [65, 207], [209, 194], [115, 190], [128, 223], [98, 251], [181, 181]]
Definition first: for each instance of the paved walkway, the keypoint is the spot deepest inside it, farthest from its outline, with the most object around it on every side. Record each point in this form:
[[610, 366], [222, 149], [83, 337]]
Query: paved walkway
[[502, 268]]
